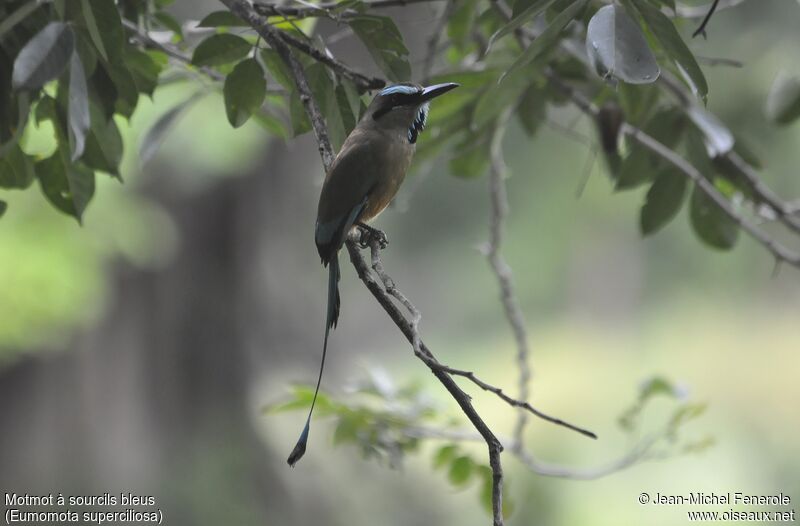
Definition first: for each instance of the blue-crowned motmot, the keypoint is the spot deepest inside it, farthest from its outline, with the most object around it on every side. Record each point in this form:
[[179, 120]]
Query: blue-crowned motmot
[[360, 184]]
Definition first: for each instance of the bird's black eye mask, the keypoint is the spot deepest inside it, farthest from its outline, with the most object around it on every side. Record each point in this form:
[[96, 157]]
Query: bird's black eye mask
[[396, 96]]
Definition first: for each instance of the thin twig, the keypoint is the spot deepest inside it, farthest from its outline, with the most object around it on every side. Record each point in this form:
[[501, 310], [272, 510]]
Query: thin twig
[[362, 82], [273, 37], [391, 289], [502, 272], [784, 210], [699, 11], [169, 50], [326, 10], [701, 29], [707, 187], [435, 38], [720, 61], [636, 455], [442, 373], [778, 250], [409, 328]]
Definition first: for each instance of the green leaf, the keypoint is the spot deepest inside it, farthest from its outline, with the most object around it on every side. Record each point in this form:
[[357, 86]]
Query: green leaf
[[105, 27], [348, 103], [244, 91], [532, 109], [103, 144], [125, 84], [16, 169], [529, 13], [144, 70], [384, 43], [617, 48], [155, 135], [663, 201], [669, 38], [169, 22], [641, 165], [718, 138], [444, 455], [460, 470], [86, 51], [548, 38], [271, 123], [346, 431], [711, 224], [44, 57], [471, 157], [684, 413], [277, 67], [657, 385], [220, 49], [69, 187], [103, 91], [21, 13], [498, 97], [222, 18], [487, 488], [783, 101], [15, 130], [297, 113], [638, 101], [78, 109]]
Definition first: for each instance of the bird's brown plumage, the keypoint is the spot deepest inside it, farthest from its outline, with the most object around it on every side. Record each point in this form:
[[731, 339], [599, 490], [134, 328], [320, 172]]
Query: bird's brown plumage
[[369, 169]]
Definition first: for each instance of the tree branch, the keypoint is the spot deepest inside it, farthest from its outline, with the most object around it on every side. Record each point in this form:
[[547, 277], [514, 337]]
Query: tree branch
[[442, 373], [502, 272], [241, 9], [272, 36], [687, 169], [327, 9], [435, 37], [701, 30], [362, 82], [169, 50], [390, 289]]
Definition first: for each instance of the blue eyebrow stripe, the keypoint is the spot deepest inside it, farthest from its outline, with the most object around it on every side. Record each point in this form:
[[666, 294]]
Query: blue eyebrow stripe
[[405, 90]]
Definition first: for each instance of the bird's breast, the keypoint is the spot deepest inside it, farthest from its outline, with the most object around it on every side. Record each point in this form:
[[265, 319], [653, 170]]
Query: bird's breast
[[393, 169]]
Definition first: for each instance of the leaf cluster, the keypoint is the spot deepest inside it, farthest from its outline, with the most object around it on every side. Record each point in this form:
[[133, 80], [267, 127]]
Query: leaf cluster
[[79, 67], [68, 67]]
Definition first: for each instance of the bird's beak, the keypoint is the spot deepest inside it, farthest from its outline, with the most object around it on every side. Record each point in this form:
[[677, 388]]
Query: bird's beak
[[437, 89]]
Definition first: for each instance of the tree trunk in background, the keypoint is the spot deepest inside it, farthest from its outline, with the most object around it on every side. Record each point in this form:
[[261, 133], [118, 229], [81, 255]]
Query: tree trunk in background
[[158, 390], [156, 398]]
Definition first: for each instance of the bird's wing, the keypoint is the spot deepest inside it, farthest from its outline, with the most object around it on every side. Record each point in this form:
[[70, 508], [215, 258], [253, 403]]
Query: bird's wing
[[351, 178]]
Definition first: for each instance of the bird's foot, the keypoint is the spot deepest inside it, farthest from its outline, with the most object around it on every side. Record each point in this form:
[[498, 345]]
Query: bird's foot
[[369, 234]]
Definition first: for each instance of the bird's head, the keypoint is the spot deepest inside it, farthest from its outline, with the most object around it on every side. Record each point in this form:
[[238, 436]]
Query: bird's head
[[405, 107]]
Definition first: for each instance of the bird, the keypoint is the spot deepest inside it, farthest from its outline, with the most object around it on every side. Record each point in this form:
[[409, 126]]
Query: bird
[[360, 183]]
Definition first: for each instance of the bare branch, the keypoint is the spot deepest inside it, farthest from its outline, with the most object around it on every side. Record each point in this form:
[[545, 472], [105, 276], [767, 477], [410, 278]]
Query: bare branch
[[777, 249], [720, 61], [414, 338], [327, 9], [502, 272], [637, 454], [699, 11], [362, 82], [442, 373], [273, 37], [409, 328], [168, 49], [701, 30], [433, 41]]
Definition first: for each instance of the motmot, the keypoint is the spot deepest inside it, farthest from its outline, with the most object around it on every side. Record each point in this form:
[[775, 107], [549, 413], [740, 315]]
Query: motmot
[[361, 182]]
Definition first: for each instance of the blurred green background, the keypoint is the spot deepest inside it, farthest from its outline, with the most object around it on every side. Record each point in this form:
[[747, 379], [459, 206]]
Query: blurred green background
[[137, 352]]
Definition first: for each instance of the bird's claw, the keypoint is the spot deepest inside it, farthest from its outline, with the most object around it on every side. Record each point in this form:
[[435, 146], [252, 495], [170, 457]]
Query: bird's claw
[[369, 234]]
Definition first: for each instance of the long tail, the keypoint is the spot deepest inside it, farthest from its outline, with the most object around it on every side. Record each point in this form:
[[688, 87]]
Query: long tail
[[333, 316]]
